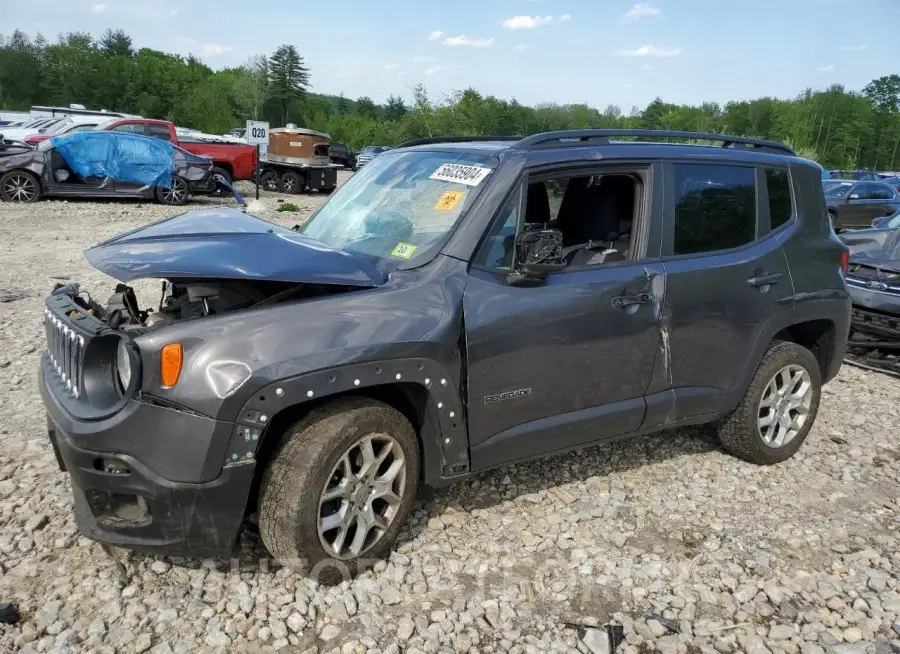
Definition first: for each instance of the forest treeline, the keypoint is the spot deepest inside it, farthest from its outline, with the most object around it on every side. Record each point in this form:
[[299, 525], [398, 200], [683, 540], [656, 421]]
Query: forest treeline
[[838, 127]]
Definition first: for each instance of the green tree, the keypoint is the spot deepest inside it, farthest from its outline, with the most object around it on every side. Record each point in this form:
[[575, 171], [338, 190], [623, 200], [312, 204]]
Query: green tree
[[288, 78], [394, 108], [366, 108], [116, 43]]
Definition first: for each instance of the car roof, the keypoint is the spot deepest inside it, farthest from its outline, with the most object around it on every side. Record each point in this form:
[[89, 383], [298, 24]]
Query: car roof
[[574, 145]]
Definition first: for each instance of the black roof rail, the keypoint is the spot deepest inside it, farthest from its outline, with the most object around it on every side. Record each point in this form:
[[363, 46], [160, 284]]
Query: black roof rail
[[602, 136], [454, 139]]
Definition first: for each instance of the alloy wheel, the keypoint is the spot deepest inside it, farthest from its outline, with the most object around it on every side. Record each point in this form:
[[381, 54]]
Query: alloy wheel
[[785, 405], [177, 193], [20, 188], [362, 496]]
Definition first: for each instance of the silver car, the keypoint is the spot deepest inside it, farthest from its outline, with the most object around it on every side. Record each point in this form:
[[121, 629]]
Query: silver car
[[368, 153]]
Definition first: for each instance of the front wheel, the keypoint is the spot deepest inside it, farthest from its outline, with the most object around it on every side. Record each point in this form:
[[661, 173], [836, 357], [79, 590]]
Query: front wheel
[[340, 486], [19, 186], [176, 195], [779, 408]]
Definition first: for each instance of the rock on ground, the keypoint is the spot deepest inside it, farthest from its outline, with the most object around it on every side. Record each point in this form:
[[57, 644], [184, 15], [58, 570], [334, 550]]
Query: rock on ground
[[798, 557]]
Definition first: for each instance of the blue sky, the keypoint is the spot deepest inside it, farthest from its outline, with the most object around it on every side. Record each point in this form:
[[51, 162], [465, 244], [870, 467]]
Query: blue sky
[[598, 52]]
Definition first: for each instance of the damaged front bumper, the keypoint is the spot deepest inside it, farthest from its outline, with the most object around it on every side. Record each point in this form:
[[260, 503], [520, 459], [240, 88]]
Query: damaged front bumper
[[122, 501]]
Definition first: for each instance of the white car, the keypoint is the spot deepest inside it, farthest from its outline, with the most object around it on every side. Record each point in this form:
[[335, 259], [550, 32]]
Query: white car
[[67, 125], [30, 127]]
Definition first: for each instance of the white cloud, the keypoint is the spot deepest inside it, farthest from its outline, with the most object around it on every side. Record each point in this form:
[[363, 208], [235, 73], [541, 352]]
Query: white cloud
[[646, 67], [213, 49], [392, 67], [650, 51], [627, 85], [173, 13], [526, 22], [638, 11], [855, 48], [98, 9], [826, 69], [435, 35], [422, 60], [520, 48], [463, 40], [433, 70], [565, 18]]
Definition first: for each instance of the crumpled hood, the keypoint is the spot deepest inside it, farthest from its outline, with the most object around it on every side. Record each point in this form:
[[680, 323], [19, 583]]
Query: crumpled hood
[[225, 243], [877, 248]]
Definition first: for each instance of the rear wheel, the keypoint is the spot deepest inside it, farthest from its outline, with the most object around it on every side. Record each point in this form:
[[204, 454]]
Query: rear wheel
[[269, 181], [291, 182], [339, 488], [19, 186], [176, 195], [778, 409]]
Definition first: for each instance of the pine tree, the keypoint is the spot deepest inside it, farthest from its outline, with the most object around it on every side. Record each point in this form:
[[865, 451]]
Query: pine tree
[[288, 78], [116, 43]]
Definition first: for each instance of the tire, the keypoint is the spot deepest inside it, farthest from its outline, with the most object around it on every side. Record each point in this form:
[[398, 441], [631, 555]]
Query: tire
[[741, 434], [291, 182], [269, 181], [223, 173], [20, 186], [309, 458], [174, 196]]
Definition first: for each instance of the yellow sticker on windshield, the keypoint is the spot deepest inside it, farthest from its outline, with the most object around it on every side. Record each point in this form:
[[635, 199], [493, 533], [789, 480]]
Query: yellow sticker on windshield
[[449, 200], [403, 250]]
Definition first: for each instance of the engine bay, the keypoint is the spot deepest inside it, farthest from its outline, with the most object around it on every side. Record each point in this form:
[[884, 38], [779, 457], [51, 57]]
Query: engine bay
[[191, 299]]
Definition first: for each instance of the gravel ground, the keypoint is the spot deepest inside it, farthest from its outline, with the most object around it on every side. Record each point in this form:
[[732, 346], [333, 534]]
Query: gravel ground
[[800, 557]]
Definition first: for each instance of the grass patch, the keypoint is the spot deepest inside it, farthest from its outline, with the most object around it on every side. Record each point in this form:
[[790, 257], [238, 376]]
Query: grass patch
[[287, 206]]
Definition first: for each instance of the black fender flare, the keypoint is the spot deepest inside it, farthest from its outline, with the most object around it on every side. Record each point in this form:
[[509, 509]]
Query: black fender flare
[[835, 310], [444, 435]]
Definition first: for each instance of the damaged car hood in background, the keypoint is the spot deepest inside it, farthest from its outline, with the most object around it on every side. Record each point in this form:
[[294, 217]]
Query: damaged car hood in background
[[876, 248], [225, 243]]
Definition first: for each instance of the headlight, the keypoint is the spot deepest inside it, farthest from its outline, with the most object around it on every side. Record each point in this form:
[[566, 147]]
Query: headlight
[[123, 366]]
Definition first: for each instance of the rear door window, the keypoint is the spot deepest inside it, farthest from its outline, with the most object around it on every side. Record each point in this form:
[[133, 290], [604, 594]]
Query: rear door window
[[129, 128], [715, 207], [160, 132]]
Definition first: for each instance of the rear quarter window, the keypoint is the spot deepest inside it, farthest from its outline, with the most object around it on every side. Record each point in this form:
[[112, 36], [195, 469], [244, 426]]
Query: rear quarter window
[[781, 208]]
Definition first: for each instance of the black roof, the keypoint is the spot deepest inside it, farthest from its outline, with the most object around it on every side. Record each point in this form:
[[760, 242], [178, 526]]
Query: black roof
[[652, 144]]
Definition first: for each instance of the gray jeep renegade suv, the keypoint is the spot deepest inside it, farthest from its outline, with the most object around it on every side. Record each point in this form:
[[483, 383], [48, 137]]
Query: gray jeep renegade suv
[[459, 304]]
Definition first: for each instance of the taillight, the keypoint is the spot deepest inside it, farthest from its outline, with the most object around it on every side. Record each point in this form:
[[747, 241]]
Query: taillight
[[845, 261]]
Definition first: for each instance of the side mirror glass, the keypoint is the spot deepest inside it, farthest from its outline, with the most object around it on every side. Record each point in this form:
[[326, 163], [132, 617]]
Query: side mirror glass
[[853, 196]]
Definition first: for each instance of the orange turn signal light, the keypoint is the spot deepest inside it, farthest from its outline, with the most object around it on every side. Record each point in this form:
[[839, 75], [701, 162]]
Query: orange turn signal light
[[170, 364]]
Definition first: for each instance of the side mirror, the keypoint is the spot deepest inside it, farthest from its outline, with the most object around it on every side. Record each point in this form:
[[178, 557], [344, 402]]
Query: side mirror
[[538, 253], [853, 196]]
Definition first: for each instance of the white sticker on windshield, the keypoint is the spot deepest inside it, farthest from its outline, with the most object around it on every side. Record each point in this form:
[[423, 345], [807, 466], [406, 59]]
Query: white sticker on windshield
[[468, 175]]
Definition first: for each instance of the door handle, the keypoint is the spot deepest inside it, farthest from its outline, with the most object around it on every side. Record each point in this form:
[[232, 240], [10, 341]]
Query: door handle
[[623, 301], [764, 279]]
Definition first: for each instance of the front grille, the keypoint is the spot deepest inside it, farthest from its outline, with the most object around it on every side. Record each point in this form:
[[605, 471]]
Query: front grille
[[66, 351]]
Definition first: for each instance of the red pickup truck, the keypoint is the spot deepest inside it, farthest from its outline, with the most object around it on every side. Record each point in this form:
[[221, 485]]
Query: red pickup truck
[[230, 160]]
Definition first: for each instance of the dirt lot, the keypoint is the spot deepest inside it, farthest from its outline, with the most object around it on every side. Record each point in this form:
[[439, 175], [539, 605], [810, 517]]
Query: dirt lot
[[801, 557]]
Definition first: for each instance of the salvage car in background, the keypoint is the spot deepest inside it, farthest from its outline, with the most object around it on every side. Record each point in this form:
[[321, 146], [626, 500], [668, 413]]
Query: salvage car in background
[[855, 205], [102, 164], [67, 125], [873, 280], [367, 154]]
